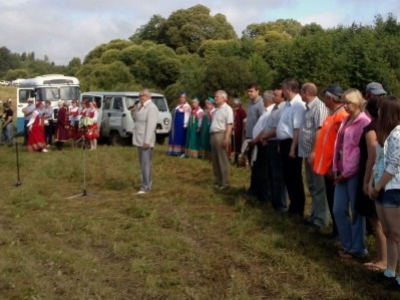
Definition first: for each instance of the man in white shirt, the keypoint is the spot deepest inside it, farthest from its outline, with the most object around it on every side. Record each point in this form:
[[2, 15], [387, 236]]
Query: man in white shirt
[[220, 130], [288, 134], [259, 174]]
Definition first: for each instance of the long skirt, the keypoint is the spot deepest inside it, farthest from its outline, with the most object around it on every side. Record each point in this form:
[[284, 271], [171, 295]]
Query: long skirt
[[177, 136], [192, 138], [36, 140], [92, 132]]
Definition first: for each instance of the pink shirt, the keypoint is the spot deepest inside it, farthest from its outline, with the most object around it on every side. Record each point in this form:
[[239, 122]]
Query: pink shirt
[[347, 153]]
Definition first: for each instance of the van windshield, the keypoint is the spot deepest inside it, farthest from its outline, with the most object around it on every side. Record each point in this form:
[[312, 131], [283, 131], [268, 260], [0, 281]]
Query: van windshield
[[158, 101]]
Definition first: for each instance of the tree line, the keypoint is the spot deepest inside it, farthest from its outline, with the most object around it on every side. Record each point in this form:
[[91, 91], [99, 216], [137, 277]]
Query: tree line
[[195, 51]]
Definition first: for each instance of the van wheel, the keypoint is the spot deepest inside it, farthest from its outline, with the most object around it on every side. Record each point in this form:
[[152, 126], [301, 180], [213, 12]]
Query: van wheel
[[115, 138], [160, 140]]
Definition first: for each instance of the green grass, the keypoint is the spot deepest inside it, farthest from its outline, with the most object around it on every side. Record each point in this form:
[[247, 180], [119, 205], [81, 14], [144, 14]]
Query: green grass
[[181, 241]]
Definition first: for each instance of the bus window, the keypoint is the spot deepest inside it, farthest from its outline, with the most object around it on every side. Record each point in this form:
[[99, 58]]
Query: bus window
[[24, 95], [107, 103]]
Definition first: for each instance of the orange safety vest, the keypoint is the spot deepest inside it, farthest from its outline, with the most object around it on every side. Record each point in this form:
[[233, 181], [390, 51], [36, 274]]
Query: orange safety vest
[[325, 145]]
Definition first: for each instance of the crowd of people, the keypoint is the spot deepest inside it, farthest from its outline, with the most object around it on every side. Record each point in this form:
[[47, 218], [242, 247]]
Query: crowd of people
[[347, 145], [41, 124]]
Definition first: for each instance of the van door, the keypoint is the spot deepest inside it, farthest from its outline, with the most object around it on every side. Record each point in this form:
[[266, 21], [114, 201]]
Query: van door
[[127, 118], [106, 112]]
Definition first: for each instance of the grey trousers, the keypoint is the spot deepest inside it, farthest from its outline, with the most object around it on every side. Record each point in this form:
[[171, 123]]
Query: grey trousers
[[145, 158], [319, 205], [220, 159]]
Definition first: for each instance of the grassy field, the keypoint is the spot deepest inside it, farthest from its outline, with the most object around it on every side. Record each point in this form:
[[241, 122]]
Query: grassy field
[[181, 241]]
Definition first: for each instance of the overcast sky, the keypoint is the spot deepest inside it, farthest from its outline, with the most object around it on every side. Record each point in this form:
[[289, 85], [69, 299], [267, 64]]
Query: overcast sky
[[64, 29]]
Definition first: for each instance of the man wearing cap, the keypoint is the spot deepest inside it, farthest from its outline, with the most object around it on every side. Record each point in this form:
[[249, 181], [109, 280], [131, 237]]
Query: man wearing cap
[[27, 111], [325, 144], [180, 119], [314, 116], [374, 89], [238, 130], [288, 134]]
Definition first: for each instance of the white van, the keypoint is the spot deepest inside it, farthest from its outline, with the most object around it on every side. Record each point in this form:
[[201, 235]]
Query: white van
[[115, 118]]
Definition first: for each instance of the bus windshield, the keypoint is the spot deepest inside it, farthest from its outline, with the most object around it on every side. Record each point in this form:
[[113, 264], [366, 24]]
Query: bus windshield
[[55, 93], [69, 92], [50, 93]]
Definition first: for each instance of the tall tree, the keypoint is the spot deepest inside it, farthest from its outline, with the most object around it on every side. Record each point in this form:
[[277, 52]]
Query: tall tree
[[190, 27]]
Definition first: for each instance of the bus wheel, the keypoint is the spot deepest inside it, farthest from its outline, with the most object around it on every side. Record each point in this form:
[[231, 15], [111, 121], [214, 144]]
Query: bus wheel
[[115, 138]]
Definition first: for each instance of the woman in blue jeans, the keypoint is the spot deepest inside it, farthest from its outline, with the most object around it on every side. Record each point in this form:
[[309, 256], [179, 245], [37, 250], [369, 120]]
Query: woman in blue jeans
[[7, 126], [351, 227], [387, 184]]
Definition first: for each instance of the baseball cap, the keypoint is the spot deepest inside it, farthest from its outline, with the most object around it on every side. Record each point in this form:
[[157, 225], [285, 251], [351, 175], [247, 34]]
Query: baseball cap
[[335, 89], [375, 88]]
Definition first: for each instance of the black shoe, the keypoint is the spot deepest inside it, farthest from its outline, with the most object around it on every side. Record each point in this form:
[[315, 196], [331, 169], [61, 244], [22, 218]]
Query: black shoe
[[393, 285], [381, 278], [311, 225]]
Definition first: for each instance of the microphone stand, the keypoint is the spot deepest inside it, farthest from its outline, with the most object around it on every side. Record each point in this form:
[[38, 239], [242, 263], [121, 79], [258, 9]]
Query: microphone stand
[[84, 191], [18, 183]]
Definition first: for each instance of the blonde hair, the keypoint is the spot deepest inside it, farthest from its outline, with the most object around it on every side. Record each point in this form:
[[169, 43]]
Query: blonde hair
[[354, 96]]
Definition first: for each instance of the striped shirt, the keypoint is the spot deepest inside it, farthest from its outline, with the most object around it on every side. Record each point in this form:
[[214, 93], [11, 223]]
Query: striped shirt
[[314, 117]]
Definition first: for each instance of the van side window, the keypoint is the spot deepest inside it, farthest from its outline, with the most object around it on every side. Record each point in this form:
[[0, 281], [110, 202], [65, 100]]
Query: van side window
[[117, 104], [107, 103], [98, 101]]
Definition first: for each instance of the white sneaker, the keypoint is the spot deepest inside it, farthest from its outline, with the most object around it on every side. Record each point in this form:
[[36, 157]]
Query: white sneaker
[[45, 150], [141, 193]]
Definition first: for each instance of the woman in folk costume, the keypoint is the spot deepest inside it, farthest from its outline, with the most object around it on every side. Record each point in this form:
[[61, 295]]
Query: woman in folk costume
[[205, 146], [62, 128], [82, 127], [180, 119], [238, 128], [194, 129], [36, 140], [74, 117], [92, 133]]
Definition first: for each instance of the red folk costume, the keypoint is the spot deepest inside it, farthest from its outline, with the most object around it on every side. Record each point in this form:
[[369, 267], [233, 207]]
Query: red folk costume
[[62, 129], [92, 127], [240, 115], [36, 139], [74, 120]]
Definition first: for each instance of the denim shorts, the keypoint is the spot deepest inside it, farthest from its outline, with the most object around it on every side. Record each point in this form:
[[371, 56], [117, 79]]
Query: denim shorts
[[389, 199]]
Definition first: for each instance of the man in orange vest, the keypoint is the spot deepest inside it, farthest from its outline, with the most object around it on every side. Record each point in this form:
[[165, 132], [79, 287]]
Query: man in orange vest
[[325, 143]]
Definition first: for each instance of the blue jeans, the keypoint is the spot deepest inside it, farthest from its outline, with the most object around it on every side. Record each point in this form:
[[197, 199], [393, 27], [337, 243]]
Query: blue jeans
[[389, 199], [7, 136], [351, 229]]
